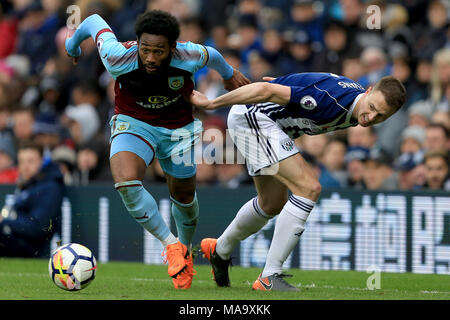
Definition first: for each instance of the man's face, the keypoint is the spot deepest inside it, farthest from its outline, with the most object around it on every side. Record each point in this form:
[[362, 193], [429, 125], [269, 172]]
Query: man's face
[[372, 108], [154, 51], [29, 163], [435, 139], [375, 174], [436, 170]]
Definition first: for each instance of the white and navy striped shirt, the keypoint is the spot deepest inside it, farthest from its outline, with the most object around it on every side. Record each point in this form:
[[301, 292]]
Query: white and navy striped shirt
[[320, 102]]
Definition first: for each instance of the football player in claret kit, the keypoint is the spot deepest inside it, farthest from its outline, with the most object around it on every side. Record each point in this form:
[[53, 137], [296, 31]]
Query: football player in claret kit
[[263, 122], [154, 80]]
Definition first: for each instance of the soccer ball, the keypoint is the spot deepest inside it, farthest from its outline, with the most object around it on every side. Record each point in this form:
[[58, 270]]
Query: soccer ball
[[72, 267]]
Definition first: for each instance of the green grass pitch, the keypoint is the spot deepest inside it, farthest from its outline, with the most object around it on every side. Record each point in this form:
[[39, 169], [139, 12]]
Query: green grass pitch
[[23, 279]]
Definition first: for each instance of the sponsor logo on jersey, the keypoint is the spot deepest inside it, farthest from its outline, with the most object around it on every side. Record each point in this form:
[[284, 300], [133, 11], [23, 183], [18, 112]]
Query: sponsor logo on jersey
[[158, 105], [157, 99], [176, 83], [308, 103]]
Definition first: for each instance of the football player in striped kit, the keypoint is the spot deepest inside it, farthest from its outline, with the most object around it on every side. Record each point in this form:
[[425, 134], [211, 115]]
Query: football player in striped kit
[[154, 80], [265, 119]]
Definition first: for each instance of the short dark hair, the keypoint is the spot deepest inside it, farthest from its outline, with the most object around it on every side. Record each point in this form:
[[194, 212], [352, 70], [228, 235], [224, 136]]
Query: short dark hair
[[393, 90], [443, 154], [158, 22], [439, 126], [28, 144]]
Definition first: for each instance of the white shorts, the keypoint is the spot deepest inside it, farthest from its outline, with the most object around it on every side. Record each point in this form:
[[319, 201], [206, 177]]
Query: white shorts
[[259, 139]]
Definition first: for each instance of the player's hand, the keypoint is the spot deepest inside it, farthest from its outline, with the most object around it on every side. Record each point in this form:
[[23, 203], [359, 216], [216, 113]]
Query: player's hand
[[268, 78], [236, 81], [69, 35], [199, 100]]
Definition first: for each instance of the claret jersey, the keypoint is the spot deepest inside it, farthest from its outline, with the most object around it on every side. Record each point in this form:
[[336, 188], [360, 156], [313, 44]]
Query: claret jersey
[[159, 100], [319, 103]]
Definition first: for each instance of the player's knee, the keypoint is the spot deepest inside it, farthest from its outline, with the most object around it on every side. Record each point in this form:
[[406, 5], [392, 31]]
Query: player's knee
[[314, 190], [130, 192], [308, 188]]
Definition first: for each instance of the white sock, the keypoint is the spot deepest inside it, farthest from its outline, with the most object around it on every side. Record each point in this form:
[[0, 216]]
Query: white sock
[[171, 239], [249, 220], [288, 228]]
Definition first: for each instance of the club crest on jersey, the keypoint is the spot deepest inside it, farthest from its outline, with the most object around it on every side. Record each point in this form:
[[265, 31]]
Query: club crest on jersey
[[287, 144], [176, 83], [308, 103], [122, 126]]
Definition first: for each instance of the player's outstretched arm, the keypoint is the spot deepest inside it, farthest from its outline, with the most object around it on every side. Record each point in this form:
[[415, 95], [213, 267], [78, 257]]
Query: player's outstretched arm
[[254, 93], [232, 78], [90, 27]]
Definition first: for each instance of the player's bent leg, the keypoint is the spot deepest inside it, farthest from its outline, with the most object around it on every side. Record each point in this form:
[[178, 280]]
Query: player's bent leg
[[185, 208], [185, 211], [128, 169], [250, 218], [297, 175]]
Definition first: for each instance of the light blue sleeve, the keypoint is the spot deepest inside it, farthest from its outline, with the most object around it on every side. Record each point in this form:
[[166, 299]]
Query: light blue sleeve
[[118, 58], [189, 56], [218, 63]]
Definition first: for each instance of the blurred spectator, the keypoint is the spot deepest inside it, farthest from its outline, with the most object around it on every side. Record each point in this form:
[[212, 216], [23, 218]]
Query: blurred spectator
[[92, 162], [355, 159], [441, 117], [354, 17], [333, 159], [437, 137], [27, 227], [431, 38], [419, 114], [437, 170], [410, 170], [23, 121], [413, 138], [306, 16], [8, 30], [82, 119], [258, 66], [50, 92], [47, 132], [313, 145], [8, 171], [299, 56], [440, 77], [82, 122], [248, 37], [66, 158], [376, 66], [37, 29], [361, 136], [378, 173], [191, 29], [325, 178], [352, 67], [336, 48], [422, 76], [212, 146], [232, 174], [272, 48]]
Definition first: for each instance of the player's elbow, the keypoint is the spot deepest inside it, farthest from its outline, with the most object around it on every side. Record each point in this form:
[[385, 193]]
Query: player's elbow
[[265, 91]]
